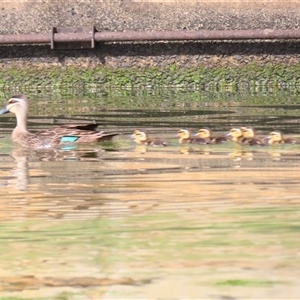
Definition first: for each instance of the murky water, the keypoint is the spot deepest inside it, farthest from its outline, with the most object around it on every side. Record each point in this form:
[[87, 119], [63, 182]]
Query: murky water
[[119, 221]]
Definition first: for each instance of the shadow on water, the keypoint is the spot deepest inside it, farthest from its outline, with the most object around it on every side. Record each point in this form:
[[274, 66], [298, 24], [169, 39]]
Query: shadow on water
[[120, 221]]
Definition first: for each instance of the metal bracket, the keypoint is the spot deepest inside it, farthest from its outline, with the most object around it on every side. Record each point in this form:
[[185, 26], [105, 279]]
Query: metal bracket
[[71, 35]]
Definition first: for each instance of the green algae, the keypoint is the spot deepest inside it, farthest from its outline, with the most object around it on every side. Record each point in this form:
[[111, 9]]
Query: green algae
[[234, 78]]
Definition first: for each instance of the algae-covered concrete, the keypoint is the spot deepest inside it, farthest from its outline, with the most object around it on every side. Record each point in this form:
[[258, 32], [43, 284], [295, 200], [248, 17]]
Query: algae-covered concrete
[[39, 16]]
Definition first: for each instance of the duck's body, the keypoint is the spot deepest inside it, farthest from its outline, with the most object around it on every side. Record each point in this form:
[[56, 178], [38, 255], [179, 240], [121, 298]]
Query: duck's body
[[70, 133], [141, 138], [276, 137], [206, 133], [249, 137], [186, 138]]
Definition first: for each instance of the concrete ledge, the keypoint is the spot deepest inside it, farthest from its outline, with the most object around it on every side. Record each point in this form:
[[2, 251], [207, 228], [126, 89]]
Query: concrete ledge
[[116, 15]]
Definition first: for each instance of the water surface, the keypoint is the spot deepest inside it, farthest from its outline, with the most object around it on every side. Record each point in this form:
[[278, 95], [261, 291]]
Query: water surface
[[119, 221]]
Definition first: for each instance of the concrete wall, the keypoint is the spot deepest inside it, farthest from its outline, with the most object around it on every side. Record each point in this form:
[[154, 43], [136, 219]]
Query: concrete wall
[[40, 15], [28, 16]]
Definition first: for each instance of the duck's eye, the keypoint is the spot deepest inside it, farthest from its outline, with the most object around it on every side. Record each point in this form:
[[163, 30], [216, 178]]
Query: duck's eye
[[12, 101]]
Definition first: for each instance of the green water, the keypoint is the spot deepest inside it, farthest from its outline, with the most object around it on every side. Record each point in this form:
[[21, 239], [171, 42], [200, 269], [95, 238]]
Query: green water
[[117, 221]]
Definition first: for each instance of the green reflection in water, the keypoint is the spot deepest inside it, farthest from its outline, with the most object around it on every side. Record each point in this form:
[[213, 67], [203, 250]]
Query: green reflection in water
[[251, 283], [154, 246]]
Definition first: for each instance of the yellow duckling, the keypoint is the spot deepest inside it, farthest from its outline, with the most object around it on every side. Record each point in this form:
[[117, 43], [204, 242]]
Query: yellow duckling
[[250, 139], [141, 138], [276, 137], [185, 138], [236, 134], [206, 133]]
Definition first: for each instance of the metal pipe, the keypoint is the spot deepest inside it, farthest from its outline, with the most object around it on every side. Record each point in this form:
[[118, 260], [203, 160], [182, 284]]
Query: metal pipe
[[33, 38], [197, 35], [126, 36]]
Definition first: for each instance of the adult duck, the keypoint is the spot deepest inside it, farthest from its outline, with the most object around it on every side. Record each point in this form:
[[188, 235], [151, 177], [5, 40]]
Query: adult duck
[[49, 138]]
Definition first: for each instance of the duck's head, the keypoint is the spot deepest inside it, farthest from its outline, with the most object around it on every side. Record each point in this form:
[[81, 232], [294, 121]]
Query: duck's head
[[184, 134], [204, 133], [139, 136], [235, 133], [17, 104], [275, 137], [248, 132]]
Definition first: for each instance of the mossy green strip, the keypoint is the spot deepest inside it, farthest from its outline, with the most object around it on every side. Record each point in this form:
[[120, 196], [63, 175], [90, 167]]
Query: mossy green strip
[[251, 76]]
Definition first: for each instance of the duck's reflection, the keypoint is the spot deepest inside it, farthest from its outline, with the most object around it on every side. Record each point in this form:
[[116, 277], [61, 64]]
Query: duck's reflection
[[21, 172], [22, 157], [238, 155], [187, 149], [83, 154], [141, 149]]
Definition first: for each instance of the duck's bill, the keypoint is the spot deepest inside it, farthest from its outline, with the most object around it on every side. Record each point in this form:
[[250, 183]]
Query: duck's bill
[[4, 111]]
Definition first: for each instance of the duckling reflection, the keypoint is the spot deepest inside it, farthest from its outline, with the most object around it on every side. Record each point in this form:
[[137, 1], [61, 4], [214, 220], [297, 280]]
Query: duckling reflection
[[206, 133], [275, 155], [141, 149], [276, 137], [239, 155], [186, 149]]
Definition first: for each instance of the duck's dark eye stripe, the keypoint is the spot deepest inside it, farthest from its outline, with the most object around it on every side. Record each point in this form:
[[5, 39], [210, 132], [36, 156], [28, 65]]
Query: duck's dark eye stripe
[[12, 101]]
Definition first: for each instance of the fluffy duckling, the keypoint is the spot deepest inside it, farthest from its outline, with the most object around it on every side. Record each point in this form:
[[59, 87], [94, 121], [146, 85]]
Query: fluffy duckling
[[236, 134], [185, 138], [250, 139], [276, 137], [141, 138], [206, 133]]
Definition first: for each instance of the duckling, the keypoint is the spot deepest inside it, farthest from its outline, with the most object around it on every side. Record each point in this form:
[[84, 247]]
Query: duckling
[[276, 137], [250, 139], [141, 138], [236, 134], [206, 134], [185, 138]]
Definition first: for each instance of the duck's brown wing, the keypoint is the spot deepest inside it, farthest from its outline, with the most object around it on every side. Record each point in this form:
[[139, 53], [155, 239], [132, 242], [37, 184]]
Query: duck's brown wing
[[157, 142], [220, 139], [199, 141], [89, 126], [254, 141], [290, 141], [83, 133]]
